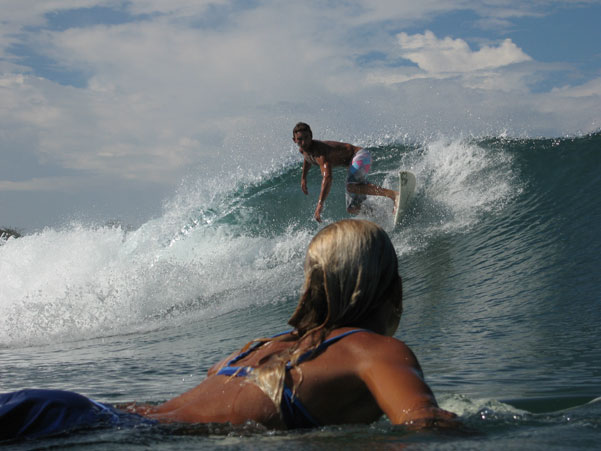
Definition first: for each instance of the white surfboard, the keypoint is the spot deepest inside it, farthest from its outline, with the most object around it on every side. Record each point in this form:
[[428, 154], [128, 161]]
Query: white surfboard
[[406, 190]]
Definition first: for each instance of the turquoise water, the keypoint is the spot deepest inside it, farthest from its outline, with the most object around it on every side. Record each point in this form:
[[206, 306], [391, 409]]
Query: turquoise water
[[499, 251]]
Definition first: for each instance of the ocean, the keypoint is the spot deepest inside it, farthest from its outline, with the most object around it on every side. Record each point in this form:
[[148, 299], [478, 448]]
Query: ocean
[[499, 250]]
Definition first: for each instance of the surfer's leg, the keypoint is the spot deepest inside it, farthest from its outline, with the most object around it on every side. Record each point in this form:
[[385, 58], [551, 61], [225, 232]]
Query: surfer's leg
[[357, 173], [353, 203], [371, 190], [358, 187]]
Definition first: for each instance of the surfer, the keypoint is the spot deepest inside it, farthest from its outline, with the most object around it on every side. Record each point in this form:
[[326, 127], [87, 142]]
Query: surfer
[[329, 154], [338, 365]]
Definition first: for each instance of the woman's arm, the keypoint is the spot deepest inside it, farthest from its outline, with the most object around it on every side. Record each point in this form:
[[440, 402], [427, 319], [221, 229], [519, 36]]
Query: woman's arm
[[395, 380]]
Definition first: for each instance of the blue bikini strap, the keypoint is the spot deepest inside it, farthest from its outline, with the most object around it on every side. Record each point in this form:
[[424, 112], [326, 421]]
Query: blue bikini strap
[[252, 348], [302, 358], [327, 343]]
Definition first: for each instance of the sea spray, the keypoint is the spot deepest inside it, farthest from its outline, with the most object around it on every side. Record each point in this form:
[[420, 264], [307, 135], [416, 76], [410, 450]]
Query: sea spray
[[225, 244]]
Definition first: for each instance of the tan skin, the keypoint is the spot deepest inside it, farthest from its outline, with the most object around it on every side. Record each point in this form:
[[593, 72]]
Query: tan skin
[[355, 380], [327, 155]]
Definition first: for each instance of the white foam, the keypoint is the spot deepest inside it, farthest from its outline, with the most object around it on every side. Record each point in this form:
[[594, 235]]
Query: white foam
[[86, 281], [466, 407], [458, 184]]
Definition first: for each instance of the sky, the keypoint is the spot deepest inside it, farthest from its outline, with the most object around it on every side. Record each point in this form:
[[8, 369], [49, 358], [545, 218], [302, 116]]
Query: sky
[[108, 108]]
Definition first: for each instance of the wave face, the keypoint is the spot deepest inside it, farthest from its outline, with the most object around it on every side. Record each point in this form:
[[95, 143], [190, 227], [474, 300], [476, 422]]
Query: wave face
[[521, 217], [499, 252]]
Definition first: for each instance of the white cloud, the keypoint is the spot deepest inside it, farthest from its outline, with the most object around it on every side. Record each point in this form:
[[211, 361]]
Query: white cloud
[[447, 55], [588, 89], [492, 67], [63, 184], [173, 91], [179, 8]]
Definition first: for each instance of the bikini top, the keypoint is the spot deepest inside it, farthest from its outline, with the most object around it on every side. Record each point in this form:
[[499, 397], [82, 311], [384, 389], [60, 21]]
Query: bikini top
[[294, 413]]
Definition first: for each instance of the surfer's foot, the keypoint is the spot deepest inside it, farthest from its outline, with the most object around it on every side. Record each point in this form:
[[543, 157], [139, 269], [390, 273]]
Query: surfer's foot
[[395, 200]]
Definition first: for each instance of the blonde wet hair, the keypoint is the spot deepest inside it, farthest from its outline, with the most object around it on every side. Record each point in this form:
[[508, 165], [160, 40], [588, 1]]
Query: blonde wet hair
[[351, 269]]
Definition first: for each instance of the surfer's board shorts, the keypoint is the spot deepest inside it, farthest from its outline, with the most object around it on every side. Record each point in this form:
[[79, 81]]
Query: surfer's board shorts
[[36, 413], [357, 174]]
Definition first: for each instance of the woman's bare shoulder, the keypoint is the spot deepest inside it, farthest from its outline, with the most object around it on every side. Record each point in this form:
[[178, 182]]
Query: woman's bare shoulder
[[371, 346]]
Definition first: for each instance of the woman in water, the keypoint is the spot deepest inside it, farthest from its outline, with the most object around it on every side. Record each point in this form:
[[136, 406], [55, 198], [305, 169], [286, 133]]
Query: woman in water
[[339, 365]]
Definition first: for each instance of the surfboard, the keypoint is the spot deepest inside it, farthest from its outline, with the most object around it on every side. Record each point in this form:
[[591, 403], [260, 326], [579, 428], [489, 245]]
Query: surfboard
[[406, 190]]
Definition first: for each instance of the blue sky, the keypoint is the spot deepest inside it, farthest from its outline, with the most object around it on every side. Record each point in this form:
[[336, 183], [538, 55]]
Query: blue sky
[[106, 106]]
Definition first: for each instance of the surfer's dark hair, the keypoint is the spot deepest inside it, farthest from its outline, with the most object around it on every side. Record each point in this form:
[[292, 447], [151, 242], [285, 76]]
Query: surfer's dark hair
[[302, 127]]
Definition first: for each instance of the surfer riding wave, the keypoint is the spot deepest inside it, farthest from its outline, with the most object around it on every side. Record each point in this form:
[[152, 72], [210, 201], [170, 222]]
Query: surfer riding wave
[[329, 154]]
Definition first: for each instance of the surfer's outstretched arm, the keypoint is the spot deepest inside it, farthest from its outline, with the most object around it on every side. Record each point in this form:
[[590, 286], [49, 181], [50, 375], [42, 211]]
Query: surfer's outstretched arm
[[306, 167], [326, 184]]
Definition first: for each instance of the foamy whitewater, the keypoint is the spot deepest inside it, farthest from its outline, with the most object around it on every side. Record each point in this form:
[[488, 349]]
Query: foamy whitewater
[[499, 252]]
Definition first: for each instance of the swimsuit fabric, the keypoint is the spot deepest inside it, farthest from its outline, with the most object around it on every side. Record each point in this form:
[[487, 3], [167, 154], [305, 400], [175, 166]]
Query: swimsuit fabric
[[357, 174], [34, 413], [294, 413]]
